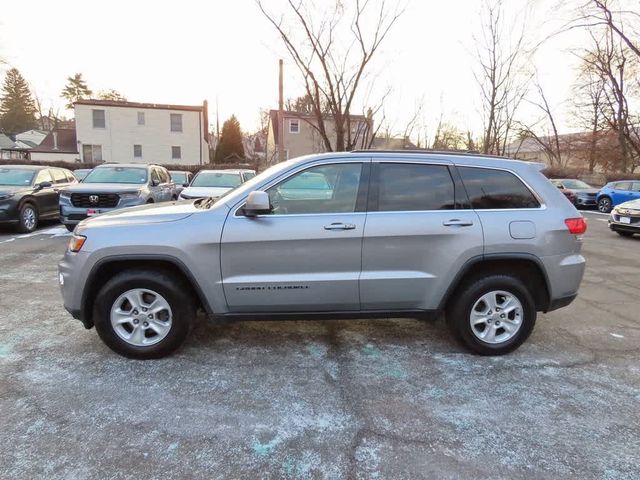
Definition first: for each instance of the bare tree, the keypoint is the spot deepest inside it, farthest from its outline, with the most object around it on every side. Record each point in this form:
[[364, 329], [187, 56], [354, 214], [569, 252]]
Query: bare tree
[[609, 57], [501, 74], [600, 13], [333, 76], [550, 142]]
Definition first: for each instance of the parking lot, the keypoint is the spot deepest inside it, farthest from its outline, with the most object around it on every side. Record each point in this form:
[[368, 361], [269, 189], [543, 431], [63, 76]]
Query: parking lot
[[392, 398]]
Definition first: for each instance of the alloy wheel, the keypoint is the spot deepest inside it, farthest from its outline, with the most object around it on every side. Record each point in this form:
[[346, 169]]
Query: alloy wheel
[[141, 317], [496, 317], [604, 205], [29, 218]]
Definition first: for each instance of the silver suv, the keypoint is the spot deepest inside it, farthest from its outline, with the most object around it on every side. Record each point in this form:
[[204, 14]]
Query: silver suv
[[485, 240], [114, 186]]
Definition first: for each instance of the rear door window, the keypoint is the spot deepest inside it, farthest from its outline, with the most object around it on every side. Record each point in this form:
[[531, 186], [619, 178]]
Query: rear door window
[[496, 189], [407, 187], [622, 186]]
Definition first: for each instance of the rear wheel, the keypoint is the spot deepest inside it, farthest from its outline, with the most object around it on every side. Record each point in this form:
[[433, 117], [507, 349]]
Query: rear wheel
[[604, 205], [28, 220], [144, 314], [492, 315]]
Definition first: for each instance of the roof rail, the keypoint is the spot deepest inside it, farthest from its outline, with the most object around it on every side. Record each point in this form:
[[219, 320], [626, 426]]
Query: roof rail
[[473, 153]]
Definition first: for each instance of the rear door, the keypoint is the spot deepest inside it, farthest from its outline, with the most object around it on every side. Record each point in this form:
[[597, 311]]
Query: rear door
[[621, 192], [635, 190], [306, 254], [418, 235]]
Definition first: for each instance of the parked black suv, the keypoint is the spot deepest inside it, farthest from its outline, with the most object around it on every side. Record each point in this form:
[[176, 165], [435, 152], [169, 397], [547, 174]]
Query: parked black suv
[[30, 193]]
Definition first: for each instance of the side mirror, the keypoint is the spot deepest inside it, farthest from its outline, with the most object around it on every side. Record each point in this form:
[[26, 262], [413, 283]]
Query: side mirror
[[154, 183], [257, 203], [42, 185], [186, 184]]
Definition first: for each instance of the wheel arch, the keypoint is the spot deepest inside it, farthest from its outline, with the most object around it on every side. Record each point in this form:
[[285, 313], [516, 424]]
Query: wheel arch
[[526, 267], [106, 267]]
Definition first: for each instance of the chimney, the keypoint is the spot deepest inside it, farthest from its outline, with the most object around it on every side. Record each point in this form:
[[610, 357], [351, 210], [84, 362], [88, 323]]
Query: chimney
[[55, 140]]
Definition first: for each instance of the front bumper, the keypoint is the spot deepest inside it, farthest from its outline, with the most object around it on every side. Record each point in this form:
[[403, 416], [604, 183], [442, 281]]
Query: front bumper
[[70, 215], [586, 201], [9, 211], [71, 278]]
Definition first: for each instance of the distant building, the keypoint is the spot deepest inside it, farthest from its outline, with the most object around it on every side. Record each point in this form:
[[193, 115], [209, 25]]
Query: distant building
[[392, 143], [301, 138], [121, 131], [58, 145]]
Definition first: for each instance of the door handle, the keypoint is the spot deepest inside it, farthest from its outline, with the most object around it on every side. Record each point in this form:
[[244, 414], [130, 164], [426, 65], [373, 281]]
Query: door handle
[[340, 226], [454, 222]]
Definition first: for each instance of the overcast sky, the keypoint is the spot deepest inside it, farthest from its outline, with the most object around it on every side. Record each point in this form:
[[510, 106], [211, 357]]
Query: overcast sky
[[187, 51]]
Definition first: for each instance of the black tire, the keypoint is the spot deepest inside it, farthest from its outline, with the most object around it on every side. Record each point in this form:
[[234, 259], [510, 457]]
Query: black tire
[[604, 205], [150, 200], [177, 295], [24, 225], [71, 228], [624, 234], [460, 309], [174, 198]]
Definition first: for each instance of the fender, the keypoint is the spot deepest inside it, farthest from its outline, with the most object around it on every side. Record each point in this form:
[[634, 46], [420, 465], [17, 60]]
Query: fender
[[494, 256], [85, 314]]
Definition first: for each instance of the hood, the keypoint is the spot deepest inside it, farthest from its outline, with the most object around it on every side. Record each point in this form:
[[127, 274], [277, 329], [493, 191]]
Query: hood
[[631, 204], [11, 189], [201, 192], [103, 187], [585, 190], [144, 214]]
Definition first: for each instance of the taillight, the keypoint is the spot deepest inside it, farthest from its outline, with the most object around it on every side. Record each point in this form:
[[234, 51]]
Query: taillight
[[576, 226]]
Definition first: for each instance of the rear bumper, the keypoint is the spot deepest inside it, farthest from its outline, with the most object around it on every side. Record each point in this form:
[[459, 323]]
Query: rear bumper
[[561, 302]]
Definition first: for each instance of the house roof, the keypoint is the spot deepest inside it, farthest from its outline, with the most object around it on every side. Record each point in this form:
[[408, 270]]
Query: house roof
[[6, 142], [273, 117], [67, 142], [123, 104]]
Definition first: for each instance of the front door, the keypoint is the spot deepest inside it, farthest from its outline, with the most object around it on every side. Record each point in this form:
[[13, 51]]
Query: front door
[[47, 197], [306, 254], [417, 236]]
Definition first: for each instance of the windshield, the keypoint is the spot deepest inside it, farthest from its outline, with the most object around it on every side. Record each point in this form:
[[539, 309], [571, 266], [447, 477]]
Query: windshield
[[117, 175], [216, 179], [577, 184], [16, 177], [80, 174], [178, 177]]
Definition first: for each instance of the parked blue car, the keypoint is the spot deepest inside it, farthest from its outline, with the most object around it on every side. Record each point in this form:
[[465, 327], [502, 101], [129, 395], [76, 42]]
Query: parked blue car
[[615, 193]]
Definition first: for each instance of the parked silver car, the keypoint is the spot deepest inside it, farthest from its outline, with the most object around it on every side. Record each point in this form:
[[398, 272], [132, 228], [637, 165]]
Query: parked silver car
[[114, 186], [215, 183], [486, 240]]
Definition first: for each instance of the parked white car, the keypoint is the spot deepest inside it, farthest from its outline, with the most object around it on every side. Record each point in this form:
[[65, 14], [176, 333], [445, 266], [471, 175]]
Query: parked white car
[[215, 183]]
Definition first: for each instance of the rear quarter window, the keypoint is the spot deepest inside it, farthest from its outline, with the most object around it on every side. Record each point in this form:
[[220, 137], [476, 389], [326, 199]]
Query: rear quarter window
[[489, 189]]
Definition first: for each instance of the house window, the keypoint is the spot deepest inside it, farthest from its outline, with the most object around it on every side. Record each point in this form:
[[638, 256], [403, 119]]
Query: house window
[[176, 122], [98, 119], [92, 153], [294, 126], [176, 153], [137, 151], [140, 118]]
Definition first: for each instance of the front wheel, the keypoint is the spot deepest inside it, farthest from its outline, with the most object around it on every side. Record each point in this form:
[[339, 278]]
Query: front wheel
[[492, 315], [28, 220], [144, 314], [604, 205]]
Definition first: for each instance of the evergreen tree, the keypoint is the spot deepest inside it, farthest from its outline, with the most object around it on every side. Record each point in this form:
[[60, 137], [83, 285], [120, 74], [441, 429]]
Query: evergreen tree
[[76, 89], [111, 95], [230, 141], [17, 108]]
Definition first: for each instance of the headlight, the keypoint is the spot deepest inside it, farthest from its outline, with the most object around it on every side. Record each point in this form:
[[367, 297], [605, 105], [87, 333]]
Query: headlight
[[76, 243], [66, 195], [130, 195]]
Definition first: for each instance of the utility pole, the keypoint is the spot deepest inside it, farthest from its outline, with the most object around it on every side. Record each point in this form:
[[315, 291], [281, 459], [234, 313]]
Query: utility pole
[[280, 140]]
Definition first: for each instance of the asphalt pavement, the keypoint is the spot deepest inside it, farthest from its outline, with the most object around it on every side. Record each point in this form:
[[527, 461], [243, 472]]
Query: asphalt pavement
[[390, 398]]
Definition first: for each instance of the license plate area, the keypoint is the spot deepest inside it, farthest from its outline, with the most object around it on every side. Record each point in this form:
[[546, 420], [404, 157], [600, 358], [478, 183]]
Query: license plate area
[[626, 220], [92, 211]]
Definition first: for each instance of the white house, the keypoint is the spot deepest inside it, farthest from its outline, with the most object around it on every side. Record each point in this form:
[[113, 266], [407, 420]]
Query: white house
[[126, 132]]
